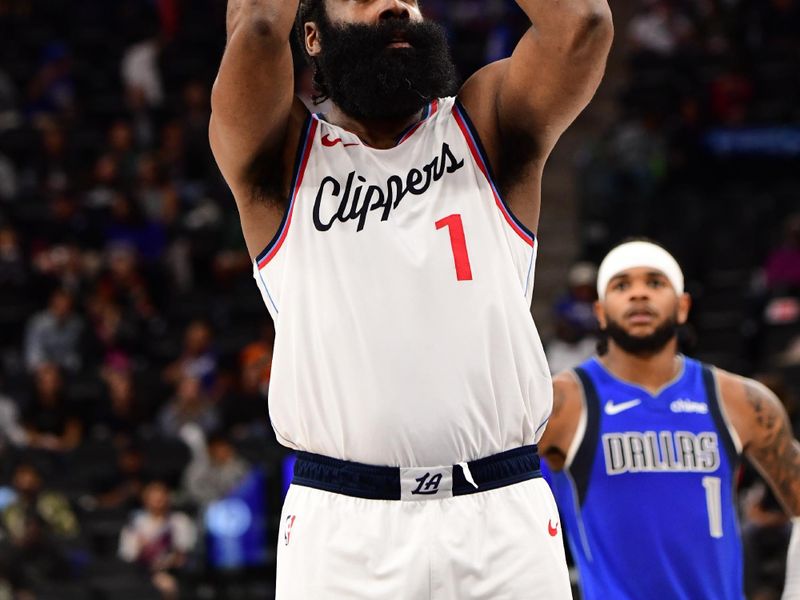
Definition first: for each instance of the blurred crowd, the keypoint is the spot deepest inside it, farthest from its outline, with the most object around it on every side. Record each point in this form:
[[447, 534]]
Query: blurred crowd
[[135, 351]]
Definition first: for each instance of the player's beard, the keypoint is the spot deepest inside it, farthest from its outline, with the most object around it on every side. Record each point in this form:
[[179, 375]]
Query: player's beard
[[368, 80], [643, 345]]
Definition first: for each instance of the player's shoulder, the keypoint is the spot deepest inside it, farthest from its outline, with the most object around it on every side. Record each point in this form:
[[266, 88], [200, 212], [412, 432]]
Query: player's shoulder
[[749, 404], [567, 383], [567, 396], [737, 390]]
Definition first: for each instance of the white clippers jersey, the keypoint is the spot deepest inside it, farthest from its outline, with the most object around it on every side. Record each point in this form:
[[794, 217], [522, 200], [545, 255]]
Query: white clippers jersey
[[400, 285]]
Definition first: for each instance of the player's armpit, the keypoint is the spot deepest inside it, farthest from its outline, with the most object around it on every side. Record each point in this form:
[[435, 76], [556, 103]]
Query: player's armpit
[[769, 442], [560, 431]]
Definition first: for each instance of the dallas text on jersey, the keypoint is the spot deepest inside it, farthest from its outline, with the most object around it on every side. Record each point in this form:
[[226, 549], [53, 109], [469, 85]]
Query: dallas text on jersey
[[682, 451]]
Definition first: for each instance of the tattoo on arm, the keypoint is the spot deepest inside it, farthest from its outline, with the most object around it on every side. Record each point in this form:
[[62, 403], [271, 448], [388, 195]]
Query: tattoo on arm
[[773, 448]]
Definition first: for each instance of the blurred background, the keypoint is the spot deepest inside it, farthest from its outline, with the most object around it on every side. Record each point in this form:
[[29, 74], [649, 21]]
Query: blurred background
[[134, 348]]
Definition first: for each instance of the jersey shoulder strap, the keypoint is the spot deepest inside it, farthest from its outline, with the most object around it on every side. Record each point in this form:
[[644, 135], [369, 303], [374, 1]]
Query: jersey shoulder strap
[[582, 454], [728, 435]]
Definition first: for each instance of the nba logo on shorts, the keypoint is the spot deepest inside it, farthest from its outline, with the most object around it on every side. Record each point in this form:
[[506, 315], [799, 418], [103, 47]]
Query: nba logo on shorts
[[289, 522]]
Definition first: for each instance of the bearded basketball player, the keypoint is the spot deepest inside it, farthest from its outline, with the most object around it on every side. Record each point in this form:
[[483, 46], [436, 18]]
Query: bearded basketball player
[[646, 443], [392, 242]]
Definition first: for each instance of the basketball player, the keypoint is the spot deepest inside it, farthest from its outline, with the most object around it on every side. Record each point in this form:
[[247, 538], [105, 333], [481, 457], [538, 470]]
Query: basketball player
[[646, 443], [393, 244]]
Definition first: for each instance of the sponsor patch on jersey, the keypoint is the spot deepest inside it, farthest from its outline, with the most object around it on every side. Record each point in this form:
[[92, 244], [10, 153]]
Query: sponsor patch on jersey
[[683, 405]]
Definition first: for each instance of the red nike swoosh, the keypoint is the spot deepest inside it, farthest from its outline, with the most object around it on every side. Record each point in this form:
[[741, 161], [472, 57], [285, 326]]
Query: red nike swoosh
[[329, 143], [553, 531]]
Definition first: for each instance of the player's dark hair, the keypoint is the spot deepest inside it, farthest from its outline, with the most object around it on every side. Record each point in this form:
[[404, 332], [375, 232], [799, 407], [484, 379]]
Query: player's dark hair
[[312, 11]]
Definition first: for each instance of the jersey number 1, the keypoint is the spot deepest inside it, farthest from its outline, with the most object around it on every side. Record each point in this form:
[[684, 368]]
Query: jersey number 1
[[459, 243], [713, 486]]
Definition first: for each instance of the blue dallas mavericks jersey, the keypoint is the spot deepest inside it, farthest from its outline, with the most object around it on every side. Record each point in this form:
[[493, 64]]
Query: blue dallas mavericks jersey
[[647, 498]]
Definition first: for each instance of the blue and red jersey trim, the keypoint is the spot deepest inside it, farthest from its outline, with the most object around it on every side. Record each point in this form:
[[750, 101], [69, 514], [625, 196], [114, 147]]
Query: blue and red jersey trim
[[480, 156], [301, 162], [430, 110]]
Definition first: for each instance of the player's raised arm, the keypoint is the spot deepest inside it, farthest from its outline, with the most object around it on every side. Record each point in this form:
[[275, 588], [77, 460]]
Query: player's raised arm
[[253, 105], [556, 67], [523, 104]]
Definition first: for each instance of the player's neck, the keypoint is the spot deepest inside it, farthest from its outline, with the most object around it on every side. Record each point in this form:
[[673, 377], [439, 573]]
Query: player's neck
[[376, 133], [652, 372]]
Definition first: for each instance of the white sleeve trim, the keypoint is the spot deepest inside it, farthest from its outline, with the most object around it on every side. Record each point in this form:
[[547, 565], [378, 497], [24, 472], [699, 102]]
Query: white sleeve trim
[[737, 441]]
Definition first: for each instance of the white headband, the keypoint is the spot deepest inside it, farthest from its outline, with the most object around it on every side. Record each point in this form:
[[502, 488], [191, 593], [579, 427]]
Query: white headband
[[638, 254]]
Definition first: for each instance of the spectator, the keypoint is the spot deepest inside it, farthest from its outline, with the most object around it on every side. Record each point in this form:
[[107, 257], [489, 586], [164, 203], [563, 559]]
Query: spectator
[[121, 148], [575, 321], [190, 405], [659, 28], [216, 468], [114, 335], [128, 225], [159, 539], [54, 335], [52, 89], [197, 359], [9, 185], [40, 524], [783, 264], [48, 422], [54, 164], [102, 190], [244, 408], [122, 413], [197, 111], [14, 271], [257, 355], [121, 487], [140, 71], [125, 284], [62, 266], [11, 431], [155, 193]]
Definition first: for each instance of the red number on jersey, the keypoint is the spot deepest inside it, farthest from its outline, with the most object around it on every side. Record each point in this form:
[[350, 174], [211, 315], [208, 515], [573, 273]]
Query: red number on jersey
[[459, 243]]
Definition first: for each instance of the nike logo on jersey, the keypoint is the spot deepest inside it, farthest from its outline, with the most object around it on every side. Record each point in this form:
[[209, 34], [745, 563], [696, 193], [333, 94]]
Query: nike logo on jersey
[[329, 143], [614, 409], [355, 198], [553, 531]]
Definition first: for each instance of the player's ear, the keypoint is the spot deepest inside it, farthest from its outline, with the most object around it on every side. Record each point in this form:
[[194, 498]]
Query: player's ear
[[684, 306], [312, 39], [600, 314]]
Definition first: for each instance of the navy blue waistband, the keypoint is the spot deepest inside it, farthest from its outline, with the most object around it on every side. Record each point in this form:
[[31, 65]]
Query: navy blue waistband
[[383, 483]]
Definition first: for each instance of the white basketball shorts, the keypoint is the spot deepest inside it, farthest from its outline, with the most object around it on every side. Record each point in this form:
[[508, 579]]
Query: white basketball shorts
[[500, 544]]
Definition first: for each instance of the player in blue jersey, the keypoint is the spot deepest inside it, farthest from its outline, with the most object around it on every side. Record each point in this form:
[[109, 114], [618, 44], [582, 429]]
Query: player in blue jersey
[[645, 442]]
